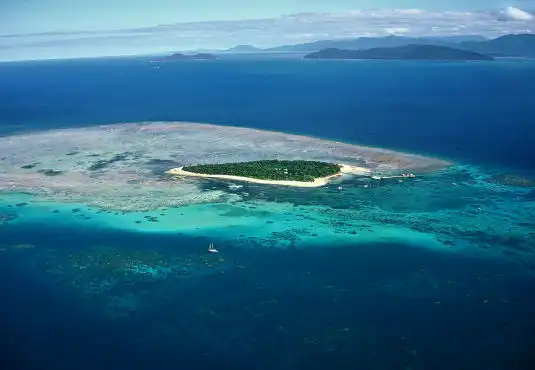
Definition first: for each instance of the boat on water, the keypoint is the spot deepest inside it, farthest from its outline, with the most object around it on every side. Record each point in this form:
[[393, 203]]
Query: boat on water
[[212, 249]]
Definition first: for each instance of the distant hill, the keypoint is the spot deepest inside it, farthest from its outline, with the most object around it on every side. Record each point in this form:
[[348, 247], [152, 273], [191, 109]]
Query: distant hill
[[242, 49], [412, 52], [353, 44], [201, 51], [458, 38], [180, 56], [376, 42], [522, 45]]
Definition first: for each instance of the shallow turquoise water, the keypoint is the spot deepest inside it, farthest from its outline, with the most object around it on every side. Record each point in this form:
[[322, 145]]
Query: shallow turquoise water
[[462, 211]]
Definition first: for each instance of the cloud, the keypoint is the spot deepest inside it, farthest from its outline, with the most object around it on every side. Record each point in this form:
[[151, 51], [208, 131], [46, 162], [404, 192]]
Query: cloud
[[397, 30], [514, 14], [286, 29]]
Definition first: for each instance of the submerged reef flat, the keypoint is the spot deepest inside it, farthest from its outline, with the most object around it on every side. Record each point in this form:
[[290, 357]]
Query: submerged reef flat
[[100, 216], [122, 166], [114, 178], [122, 263]]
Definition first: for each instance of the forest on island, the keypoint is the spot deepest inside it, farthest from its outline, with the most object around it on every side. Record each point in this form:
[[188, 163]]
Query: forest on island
[[281, 170]]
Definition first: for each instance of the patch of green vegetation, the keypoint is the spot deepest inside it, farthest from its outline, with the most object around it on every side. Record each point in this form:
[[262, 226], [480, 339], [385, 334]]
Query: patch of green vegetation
[[270, 170]]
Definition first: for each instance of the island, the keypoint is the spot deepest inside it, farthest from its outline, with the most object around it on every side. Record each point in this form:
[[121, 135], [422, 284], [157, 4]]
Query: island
[[409, 52], [299, 173], [517, 46], [180, 56]]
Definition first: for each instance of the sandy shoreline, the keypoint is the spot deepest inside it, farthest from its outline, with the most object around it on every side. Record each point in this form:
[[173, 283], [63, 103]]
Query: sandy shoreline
[[321, 181]]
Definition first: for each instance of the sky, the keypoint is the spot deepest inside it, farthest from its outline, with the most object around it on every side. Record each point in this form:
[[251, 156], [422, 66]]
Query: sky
[[30, 16], [32, 29]]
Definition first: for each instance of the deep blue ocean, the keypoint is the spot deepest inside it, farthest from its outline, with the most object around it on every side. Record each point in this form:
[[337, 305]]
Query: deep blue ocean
[[481, 112], [271, 316]]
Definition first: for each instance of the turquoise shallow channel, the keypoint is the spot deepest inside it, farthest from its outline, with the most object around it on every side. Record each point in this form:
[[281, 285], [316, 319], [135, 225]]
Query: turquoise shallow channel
[[462, 209]]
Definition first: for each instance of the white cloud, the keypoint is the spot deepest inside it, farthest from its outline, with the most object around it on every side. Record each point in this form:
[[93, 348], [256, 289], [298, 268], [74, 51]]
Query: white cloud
[[515, 14], [397, 30], [287, 29], [409, 11]]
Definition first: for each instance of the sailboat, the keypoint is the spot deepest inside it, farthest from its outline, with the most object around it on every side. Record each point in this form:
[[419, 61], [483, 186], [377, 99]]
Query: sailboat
[[212, 249]]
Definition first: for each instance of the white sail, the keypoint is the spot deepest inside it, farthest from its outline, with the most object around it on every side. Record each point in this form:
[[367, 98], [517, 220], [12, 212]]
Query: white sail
[[212, 249]]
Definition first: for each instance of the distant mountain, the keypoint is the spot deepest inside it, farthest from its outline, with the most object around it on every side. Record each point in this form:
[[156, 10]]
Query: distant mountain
[[374, 42], [201, 51], [180, 56], [242, 49], [458, 38], [412, 52], [522, 45]]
